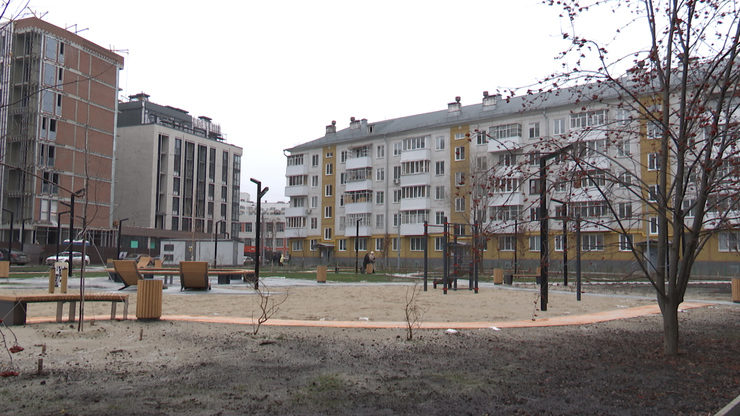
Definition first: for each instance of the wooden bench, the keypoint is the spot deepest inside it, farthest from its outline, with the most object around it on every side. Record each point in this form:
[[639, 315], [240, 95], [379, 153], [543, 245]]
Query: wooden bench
[[534, 275], [13, 307]]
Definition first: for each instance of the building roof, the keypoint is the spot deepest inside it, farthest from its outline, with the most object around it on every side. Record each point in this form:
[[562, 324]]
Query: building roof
[[473, 113]]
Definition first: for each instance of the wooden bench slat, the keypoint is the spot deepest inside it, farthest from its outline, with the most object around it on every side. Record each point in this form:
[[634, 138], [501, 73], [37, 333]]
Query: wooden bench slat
[[13, 307]]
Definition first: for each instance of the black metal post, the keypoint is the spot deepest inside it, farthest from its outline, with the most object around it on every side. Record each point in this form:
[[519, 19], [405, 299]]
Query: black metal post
[[71, 233], [215, 240], [118, 240], [357, 246], [578, 256], [516, 240], [260, 193], [59, 230], [544, 255], [445, 260], [10, 238], [477, 254], [426, 253], [565, 247]]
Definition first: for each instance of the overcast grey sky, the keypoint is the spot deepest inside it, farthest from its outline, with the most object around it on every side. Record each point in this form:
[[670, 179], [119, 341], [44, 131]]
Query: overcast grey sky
[[273, 74]]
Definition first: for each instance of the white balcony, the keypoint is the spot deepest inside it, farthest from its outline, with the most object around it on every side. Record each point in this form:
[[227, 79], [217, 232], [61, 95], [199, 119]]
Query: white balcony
[[352, 231], [590, 193], [365, 185], [295, 212], [358, 208], [596, 133], [507, 143], [296, 190], [412, 229], [358, 163], [415, 204], [295, 232], [416, 179], [589, 163], [295, 170], [507, 198], [418, 154]]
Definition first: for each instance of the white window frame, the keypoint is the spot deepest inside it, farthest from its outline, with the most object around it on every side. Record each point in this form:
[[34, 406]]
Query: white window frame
[[459, 153]]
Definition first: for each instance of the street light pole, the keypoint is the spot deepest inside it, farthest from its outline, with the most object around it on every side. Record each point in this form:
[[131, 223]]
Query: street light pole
[[10, 238], [118, 242], [260, 193], [215, 239], [59, 230], [357, 245]]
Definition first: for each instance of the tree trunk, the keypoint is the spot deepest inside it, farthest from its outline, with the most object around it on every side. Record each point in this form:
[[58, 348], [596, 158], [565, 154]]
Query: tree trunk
[[670, 327]]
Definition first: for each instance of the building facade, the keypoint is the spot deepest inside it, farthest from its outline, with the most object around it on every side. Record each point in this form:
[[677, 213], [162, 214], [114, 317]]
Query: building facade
[[57, 129], [272, 234], [373, 186], [183, 174]]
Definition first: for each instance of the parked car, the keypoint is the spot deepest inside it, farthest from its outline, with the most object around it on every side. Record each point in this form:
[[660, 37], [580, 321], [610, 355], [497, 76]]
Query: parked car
[[16, 257], [64, 256]]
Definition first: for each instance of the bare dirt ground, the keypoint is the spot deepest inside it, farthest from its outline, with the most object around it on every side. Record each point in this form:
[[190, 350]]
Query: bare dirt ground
[[169, 367]]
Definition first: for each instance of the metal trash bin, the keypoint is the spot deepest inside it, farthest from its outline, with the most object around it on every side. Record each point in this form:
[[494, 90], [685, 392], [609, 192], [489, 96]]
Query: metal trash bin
[[509, 279]]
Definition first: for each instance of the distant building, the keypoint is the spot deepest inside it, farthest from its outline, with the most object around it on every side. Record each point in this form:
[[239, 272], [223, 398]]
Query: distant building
[[58, 109], [273, 226], [175, 172]]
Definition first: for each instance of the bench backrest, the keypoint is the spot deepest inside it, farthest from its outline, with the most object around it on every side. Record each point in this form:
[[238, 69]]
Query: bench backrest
[[128, 271], [193, 275]]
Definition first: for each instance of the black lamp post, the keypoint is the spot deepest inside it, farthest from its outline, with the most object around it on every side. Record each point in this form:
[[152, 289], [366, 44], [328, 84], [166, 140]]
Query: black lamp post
[[260, 193], [357, 245], [10, 238], [544, 220], [118, 239], [59, 229], [565, 239], [215, 241]]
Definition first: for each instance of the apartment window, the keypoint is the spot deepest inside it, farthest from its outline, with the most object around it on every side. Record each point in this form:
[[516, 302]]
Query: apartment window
[[379, 221], [380, 174], [328, 190], [314, 245], [439, 192], [329, 169], [505, 131], [481, 163], [481, 137], [653, 161], [327, 233], [175, 206], [459, 204], [342, 178], [624, 179], [379, 244], [534, 243], [342, 245], [439, 243], [314, 181], [592, 242], [653, 225], [625, 242], [689, 207], [534, 130], [314, 223], [460, 136], [654, 131], [327, 212], [225, 167], [729, 241], [558, 126], [534, 186], [395, 244], [48, 210], [653, 191], [625, 210], [459, 178], [460, 153], [417, 243], [380, 151], [379, 197], [361, 244], [342, 156], [506, 243], [296, 245], [559, 242], [314, 160], [329, 155], [439, 168], [440, 143], [623, 147], [396, 195], [397, 149], [587, 119], [396, 220], [534, 214]]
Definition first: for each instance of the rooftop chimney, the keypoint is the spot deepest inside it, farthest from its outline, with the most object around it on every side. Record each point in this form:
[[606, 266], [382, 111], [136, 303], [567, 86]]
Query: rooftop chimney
[[490, 100], [354, 123], [331, 128], [454, 107], [139, 97]]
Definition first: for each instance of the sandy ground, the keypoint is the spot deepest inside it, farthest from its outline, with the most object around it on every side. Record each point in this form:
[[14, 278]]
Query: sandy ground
[[175, 367]]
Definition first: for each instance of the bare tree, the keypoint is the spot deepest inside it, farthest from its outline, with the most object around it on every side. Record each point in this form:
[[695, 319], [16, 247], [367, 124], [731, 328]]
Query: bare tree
[[676, 100], [268, 306], [413, 312]]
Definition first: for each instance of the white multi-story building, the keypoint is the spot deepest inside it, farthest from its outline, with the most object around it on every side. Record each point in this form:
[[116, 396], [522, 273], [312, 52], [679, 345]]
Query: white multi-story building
[[272, 220], [175, 172]]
